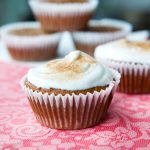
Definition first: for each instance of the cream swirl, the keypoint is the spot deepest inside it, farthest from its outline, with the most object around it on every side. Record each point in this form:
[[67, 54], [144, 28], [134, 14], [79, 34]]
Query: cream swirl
[[135, 48], [77, 71]]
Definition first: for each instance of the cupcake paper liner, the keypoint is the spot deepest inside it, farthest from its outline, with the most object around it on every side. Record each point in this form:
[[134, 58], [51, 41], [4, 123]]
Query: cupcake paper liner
[[30, 47], [66, 16], [88, 41], [71, 111], [135, 77]]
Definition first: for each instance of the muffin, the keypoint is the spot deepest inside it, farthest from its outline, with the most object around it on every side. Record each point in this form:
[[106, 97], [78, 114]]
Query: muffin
[[131, 57], [70, 93], [99, 32], [63, 15], [28, 42]]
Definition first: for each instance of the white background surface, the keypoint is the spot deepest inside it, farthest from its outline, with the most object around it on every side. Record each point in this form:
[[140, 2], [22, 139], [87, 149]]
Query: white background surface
[[66, 45]]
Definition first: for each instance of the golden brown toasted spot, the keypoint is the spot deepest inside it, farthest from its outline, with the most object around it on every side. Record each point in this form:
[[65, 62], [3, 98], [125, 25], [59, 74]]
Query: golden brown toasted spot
[[86, 59], [65, 66], [61, 91], [104, 29], [68, 66], [27, 32], [143, 45]]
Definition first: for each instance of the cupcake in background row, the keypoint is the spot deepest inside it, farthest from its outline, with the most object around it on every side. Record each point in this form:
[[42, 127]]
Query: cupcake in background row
[[131, 57], [99, 32], [70, 93], [28, 42], [62, 15]]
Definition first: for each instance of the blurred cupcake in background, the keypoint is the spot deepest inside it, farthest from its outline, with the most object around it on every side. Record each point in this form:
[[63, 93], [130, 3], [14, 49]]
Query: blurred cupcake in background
[[99, 32], [131, 57], [61, 15], [28, 42]]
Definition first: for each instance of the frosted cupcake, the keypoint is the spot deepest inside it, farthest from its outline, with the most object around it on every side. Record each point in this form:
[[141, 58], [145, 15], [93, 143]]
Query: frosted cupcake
[[27, 41], [63, 15], [99, 32], [70, 93], [131, 57]]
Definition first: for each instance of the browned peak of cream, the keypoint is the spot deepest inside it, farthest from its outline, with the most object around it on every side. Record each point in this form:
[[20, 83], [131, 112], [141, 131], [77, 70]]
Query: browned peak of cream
[[74, 72], [141, 45], [65, 1], [102, 28], [27, 32], [73, 64]]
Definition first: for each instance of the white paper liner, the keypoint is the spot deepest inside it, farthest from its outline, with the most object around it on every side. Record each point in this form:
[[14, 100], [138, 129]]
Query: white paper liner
[[62, 9], [131, 70], [38, 96], [25, 42], [123, 66], [96, 38]]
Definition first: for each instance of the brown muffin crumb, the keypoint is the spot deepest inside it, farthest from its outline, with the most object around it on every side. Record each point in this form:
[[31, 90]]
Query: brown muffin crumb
[[63, 92], [102, 28]]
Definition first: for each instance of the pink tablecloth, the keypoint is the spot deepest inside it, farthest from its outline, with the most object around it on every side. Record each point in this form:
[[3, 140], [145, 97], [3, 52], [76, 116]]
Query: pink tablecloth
[[127, 125]]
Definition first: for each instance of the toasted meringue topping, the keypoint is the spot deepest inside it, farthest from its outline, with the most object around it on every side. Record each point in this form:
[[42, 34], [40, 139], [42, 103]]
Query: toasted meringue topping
[[135, 48], [77, 71]]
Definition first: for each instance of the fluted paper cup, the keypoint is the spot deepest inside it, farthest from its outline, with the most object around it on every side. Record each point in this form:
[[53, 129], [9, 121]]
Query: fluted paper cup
[[63, 16], [71, 111], [135, 77], [29, 48]]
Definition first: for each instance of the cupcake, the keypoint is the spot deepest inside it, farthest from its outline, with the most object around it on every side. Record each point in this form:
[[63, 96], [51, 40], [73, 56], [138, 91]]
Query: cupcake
[[27, 41], [131, 57], [99, 32], [70, 93], [60, 15]]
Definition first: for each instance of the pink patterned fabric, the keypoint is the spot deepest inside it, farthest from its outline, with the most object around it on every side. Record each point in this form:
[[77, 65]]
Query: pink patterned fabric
[[127, 124]]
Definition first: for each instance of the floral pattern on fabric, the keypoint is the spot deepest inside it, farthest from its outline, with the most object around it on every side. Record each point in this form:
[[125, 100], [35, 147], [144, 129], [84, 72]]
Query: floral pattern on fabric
[[126, 126]]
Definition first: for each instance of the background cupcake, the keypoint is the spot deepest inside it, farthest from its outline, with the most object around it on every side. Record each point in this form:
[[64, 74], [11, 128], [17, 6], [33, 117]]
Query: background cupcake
[[70, 93], [27, 41], [99, 32], [130, 57], [63, 15]]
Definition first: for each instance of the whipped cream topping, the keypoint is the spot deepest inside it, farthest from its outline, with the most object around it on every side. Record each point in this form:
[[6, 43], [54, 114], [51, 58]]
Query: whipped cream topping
[[77, 71], [135, 48]]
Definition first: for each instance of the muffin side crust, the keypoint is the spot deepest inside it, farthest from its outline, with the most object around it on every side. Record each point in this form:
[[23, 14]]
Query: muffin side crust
[[63, 92]]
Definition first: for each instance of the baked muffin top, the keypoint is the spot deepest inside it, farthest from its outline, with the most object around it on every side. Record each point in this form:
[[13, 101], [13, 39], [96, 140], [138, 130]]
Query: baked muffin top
[[108, 25], [23, 30], [104, 28], [77, 71], [27, 32], [134, 48]]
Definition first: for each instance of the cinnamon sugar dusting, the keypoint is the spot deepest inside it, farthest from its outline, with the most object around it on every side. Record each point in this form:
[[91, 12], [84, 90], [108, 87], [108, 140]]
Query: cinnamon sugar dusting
[[72, 65], [61, 66], [141, 45]]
